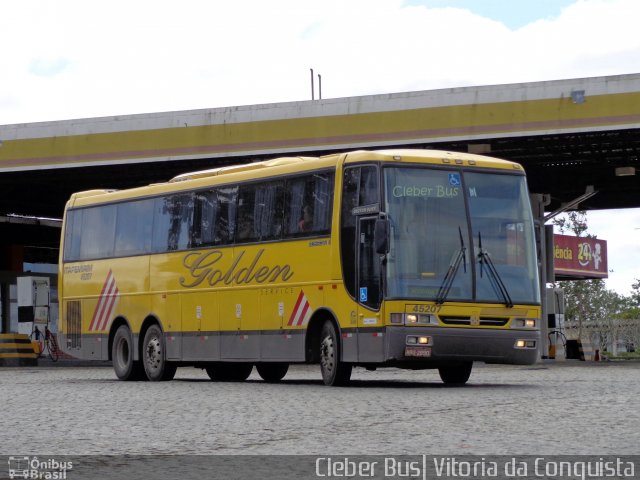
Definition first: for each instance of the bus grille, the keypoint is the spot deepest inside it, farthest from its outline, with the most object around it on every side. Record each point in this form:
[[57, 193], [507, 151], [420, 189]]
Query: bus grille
[[74, 324], [484, 321]]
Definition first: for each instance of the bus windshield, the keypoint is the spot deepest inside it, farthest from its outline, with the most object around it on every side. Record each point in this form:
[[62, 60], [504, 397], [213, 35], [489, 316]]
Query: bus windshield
[[448, 247]]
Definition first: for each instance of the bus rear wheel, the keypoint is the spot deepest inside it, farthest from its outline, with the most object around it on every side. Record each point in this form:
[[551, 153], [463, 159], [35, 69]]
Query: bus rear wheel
[[122, 355], [229, 372], [272, 372], [334, 371], [154, 358], [457, 374]]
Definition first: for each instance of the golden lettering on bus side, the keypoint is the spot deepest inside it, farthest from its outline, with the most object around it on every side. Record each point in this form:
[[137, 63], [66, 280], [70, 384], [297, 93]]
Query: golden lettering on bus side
[[277, 291], [85, 270], [202, 269]]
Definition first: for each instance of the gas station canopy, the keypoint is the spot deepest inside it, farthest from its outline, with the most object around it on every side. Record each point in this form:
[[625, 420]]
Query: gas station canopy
[[568, 134]]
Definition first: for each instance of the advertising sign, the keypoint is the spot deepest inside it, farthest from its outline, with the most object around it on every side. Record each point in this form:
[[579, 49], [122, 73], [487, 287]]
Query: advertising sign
[[580, 257]]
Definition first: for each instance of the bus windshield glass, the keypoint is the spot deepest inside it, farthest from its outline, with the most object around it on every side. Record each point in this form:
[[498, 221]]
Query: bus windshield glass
[[433, 254]]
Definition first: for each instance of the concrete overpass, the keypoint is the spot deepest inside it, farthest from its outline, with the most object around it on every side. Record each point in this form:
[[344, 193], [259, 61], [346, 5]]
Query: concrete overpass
[[568, 134]]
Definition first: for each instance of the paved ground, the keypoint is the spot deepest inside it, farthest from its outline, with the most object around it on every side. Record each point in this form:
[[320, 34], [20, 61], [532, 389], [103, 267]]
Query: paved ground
[[570, 408]]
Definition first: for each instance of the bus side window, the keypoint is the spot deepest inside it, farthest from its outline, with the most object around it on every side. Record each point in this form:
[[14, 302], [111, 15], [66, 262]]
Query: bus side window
[[133, 228], [296, 204], [308, 205], [204, 217], [225, 221], [73, 235], [269, 210], [260, 212], [171, 222], [98, 232], [368, 192]]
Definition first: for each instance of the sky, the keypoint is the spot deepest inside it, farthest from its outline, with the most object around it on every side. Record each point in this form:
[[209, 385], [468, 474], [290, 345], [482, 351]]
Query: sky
[[67, 59]]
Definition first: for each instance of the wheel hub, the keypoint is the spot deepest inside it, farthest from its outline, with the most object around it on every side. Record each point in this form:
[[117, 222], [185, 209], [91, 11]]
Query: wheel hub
[[153, 352], [327, 354]]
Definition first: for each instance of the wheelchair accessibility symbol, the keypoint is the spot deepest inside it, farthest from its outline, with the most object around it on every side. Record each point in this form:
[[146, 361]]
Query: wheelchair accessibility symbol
[[454, 179], [363, 294]]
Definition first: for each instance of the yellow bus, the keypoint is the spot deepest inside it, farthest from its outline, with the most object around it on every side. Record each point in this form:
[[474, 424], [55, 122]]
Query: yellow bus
[[414, 259]]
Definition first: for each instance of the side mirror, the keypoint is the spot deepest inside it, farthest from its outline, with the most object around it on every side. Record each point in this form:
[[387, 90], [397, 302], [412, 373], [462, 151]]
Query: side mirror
[[381, 236]]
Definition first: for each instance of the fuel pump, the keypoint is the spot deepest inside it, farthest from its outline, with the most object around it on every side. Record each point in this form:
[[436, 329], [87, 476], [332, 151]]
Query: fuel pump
[[555, 323], [33, 306]]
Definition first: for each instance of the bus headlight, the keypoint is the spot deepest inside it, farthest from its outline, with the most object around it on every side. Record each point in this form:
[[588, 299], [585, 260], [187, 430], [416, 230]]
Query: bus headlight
[[418, 340], [412, 319], [525, 344], [524, 323]]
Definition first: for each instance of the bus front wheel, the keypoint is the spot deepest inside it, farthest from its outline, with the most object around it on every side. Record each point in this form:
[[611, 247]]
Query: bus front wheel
[[154, 356], [334, 371], [456, 374], [122, 356]]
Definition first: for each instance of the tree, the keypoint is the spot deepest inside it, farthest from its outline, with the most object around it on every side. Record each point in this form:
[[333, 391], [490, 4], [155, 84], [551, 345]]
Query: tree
[[630, 333], [591, 311], [635, 294], [575, 222]]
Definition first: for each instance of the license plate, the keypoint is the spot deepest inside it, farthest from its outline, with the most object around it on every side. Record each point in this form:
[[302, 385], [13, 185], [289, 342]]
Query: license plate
[[417, 351]]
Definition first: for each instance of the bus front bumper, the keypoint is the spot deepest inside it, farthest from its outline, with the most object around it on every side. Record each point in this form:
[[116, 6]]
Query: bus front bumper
[[438, 345]]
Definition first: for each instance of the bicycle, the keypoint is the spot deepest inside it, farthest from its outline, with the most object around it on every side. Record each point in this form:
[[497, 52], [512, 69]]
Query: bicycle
[[48, 343]]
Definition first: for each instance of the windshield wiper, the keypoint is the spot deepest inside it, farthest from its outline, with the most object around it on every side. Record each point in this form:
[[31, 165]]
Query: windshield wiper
[[447, 282], [494, 277]]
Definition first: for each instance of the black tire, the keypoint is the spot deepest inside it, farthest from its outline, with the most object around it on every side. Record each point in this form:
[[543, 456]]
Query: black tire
[[272, 372], [122, 350], [334, 371], [229, 372], [457, 374], [154, 357]]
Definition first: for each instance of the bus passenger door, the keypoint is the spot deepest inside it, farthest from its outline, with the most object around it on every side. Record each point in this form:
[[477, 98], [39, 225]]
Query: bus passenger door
[[369, 291]]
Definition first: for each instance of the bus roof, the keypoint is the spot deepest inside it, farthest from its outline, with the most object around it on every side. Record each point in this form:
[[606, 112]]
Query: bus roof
[[292, 165], [434, 157]]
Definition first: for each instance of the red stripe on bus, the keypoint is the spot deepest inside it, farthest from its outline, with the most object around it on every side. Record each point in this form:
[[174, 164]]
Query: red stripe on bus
[[105, 301], [111, 304], [303, 314], [295, 309], [100, 299]]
